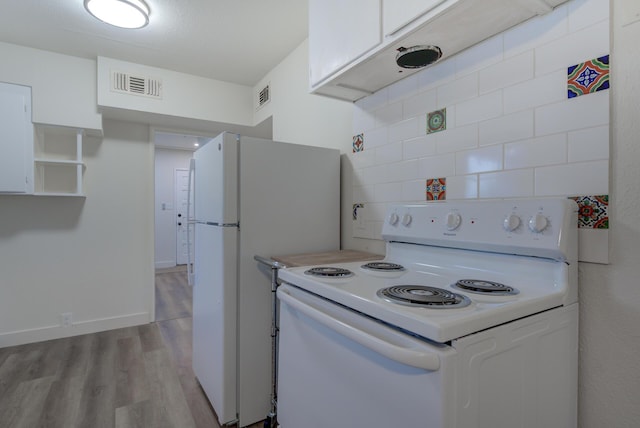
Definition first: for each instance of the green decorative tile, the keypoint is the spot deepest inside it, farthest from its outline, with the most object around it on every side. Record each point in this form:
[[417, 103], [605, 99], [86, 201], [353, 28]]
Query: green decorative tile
[[437, 121]]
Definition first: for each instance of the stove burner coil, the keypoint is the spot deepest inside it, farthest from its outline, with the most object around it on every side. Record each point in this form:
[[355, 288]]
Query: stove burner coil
[[383, 266], [485, 287], [329, 272], [420, 295]]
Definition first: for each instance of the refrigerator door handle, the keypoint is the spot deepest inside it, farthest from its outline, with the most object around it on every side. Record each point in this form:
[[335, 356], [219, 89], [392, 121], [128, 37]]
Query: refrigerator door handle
[[190, 221], [212, 223]]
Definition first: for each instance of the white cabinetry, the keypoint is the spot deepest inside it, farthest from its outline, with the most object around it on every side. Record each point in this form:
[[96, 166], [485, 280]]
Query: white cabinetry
[[342, 32], [16, 139], [58, 161], [353, 43], [396, 18]]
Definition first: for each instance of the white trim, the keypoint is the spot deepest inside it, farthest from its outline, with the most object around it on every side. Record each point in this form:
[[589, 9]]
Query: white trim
[[77, 328]]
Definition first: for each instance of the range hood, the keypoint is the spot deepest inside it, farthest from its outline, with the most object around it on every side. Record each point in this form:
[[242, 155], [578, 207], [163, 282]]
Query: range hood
[[455, 28]]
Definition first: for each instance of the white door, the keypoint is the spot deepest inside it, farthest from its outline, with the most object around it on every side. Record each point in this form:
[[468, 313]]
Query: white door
[[182, 199]]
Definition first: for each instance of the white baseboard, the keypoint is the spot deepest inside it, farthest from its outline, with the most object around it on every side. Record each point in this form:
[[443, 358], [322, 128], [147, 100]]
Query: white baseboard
[[77, 328]]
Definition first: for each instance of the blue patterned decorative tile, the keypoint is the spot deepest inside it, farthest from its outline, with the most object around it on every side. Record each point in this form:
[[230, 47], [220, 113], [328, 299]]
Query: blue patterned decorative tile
[[436, 189], [437, 121], [588, 77], [593, 211], [358, 143]]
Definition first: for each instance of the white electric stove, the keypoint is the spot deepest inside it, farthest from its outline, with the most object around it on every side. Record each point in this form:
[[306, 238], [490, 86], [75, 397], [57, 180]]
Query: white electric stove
[[471, 318]]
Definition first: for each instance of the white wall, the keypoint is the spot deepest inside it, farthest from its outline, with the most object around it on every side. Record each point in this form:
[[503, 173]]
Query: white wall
[[183, 95], [300, 117], [610, 294], [89, 256], [166, 163]]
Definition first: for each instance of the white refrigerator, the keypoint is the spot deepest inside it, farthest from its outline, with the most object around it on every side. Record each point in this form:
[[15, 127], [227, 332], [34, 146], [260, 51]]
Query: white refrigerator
[[251, 197]]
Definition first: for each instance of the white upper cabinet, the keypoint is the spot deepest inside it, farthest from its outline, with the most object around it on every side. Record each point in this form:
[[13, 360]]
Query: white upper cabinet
[[398, 17], [342, 31], [353, 43], [16, 139]]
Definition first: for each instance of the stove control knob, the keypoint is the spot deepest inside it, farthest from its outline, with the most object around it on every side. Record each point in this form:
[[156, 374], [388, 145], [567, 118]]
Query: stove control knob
[[453, 220], [393, 219], [538, 223], [406, 219], [511, 222]]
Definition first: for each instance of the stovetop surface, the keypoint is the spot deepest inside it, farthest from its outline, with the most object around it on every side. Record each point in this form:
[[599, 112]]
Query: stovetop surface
[[527, 244], [542, 284]]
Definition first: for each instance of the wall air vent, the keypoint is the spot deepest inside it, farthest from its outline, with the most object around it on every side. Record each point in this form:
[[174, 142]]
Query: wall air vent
[[136, 85], [264, 96]]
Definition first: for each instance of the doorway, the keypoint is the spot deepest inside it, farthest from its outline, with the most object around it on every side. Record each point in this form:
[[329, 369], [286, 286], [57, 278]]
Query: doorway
[[184, 233]]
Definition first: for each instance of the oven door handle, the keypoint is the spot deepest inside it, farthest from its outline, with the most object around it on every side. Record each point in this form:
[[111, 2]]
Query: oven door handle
[[414, 356]]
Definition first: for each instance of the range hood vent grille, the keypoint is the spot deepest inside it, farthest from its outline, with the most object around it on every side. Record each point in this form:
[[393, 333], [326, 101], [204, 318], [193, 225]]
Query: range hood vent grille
[[136, 85]]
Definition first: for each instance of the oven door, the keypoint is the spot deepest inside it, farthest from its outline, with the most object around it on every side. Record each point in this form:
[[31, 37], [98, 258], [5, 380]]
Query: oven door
[[338, 368]]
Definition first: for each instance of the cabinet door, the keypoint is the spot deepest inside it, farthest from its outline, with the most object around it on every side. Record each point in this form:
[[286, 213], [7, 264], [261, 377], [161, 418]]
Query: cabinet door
[[16, 139], [340, 32], [396, 17]]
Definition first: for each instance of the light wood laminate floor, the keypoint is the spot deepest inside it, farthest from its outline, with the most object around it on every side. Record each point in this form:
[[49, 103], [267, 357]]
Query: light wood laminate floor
[[132, 377]]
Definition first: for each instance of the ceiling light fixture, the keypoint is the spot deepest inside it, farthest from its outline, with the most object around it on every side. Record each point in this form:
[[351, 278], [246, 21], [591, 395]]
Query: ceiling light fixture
[[120, 13]]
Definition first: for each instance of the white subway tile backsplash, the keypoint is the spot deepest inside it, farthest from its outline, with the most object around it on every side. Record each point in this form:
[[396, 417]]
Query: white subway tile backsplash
[[585, 178], [508, 128], [462, 187], [363, 229], [362, 159], [420, 147], [487, 106], [574, 48], [389, 114], [481, 56], [506, 184], [536, 32], [414, 191], [377, 212], [548, 150], [359, 177], [543, 90], [376, 138], [374, 101], [479, 160], [457, 91], [583, 13], [403, 171], [419, 104], [436, 75], [573, 114], [364, 194], [407, 129], [437, 166], [388, 153], [387, 192], [377, 230], [589, 144], [374, 175], [403, 88], [506, 73], [456, 139], [362, 119]]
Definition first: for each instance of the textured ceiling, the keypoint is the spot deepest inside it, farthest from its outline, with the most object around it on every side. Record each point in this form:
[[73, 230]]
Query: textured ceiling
[[235, 41]]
